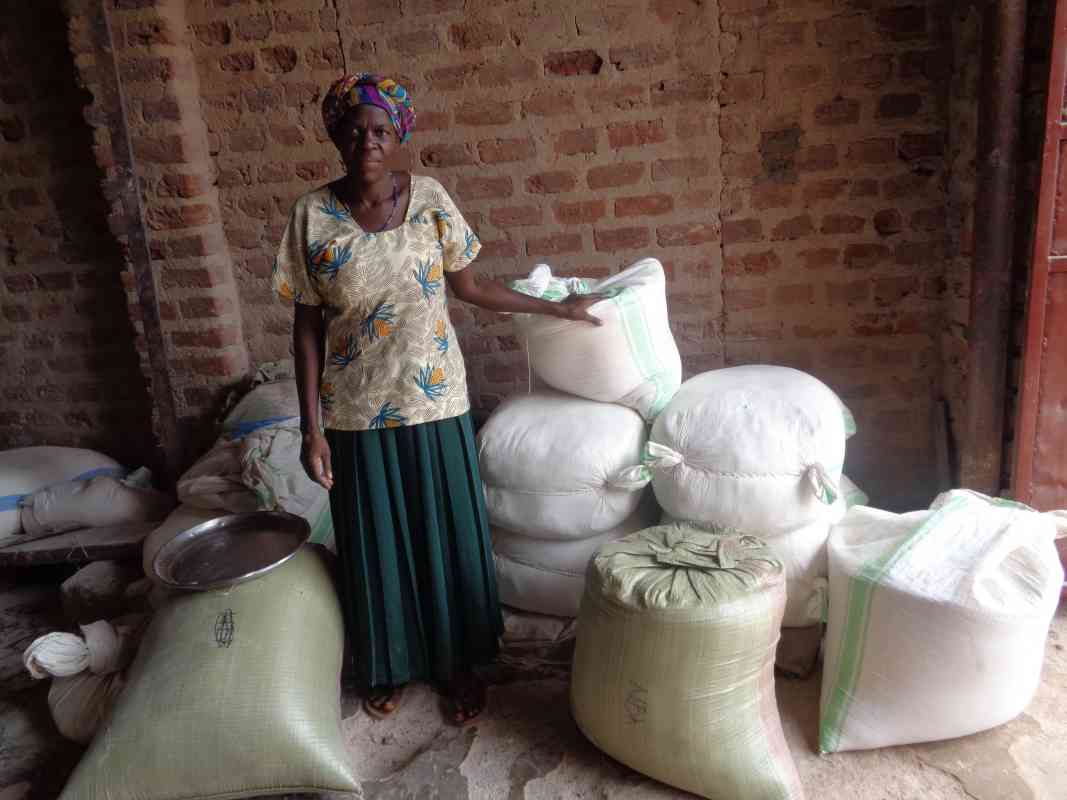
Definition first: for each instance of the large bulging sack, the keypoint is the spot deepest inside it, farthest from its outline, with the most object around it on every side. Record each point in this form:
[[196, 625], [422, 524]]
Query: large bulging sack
[[233, 693], [674, 662], [631, 359], [756, 448], [255, 464], [547, 576], [560, 467], [94, 503], [30, 469], [937, 622]]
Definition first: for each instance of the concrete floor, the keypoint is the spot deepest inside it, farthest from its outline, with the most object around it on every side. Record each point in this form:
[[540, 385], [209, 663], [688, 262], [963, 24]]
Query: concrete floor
[[528, 747]]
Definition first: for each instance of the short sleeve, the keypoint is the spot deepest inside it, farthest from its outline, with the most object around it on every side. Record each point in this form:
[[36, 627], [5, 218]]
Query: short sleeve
[[458, 241], [290, 277]]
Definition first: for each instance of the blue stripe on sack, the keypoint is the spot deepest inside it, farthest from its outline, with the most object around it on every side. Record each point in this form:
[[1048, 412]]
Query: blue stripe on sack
[[10, 502], [242, 429]]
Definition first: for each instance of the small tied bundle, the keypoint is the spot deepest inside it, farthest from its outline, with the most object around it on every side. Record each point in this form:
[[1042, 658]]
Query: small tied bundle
[[365, 88]]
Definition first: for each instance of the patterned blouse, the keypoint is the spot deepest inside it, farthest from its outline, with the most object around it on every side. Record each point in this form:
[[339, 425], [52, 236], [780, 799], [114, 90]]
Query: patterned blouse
[[392, 357]]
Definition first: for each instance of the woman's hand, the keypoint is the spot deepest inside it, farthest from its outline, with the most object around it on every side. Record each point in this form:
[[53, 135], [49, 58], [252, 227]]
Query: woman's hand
[[315, 456], [576, 307]]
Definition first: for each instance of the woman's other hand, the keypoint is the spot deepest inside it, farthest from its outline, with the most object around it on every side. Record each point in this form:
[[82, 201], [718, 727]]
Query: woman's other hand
[[315, 456], [576, 307]]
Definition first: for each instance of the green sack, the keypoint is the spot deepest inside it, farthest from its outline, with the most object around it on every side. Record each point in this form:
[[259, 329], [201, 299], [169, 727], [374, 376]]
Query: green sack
[[674, 662], [234, 693]]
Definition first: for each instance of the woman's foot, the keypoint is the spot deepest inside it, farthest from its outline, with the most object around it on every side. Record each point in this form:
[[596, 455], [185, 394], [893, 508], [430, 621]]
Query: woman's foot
[[466, 699], [383, 701]]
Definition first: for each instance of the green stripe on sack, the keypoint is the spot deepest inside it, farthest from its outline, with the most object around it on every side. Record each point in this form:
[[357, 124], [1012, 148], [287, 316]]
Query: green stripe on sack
[[640, 341], [857, 621]]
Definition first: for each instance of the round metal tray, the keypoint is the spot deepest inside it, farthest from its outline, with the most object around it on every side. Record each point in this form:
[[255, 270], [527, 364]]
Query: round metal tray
[[230, 549]]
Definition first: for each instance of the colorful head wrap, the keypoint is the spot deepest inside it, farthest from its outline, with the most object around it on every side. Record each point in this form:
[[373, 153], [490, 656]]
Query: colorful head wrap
[[364, 88]]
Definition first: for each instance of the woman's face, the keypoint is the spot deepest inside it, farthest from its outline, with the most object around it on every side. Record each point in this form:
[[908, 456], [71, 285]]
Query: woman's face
[[366, 139]]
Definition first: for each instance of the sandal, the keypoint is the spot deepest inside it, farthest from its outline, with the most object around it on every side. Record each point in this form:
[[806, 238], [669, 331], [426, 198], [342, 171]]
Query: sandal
[[467, 701], [378, 701]]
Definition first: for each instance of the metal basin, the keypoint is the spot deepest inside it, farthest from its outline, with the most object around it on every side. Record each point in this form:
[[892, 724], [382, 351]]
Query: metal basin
[[230, 549]]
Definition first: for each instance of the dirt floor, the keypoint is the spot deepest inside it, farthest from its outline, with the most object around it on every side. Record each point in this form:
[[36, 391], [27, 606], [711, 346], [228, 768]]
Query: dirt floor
[[528, 747]]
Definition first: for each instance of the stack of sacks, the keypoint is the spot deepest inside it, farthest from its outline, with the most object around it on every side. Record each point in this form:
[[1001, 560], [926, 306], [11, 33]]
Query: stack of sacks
[[562, 477], [255, 464], [758, 450], [938, 620]]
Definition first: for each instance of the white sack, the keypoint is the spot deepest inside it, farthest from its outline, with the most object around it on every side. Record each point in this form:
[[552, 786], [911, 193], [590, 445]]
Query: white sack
[[937, 621], [756, 448], [631, 359], [548, 576], [560, 467], [30, 469], [255, 464], [92, 503], [80, 703]]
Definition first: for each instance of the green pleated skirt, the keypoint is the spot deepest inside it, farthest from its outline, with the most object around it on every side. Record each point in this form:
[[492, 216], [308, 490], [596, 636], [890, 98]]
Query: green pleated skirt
[[417, 580]]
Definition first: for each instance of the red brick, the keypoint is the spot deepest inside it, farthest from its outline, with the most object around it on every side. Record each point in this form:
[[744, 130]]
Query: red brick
[[646, 205], [197, 278], [582, 140], [21, 282], [782, 34], [691, 126], [864, 187], [898, 106], [841, 30], [846, 356], [794, 294], [288, 135], [636, 134], [888, 221], [550, 182], [908, 185], [415, 43], [211, 337], [477, 33], [495, 151], [146, 70], [433, 121], [554, 245], [872, 151], [618, 98], [841, 224], [932, 65], [811, 332], [849, 293], [928, 219], [447, 155], [693, 89], [820, 257], [184, 185], [920, 145], [16, 313], [205, 307], [515, 216], [258, 205], [477, 188], [771, 195], [216, 366], [583, 212], [238, 62], [638, 56], [798, 77], [793, 228], [610, 241], [165, 110], [451, 77], [890, 291], [23, 197], [670, 168], [55, 281], [744, 299], [905, 22], [264, 98], [213, 34], [624, 173], [293, 21], [255, 27], [200, 245], [758, 263], [174, 217], [477, 113], [686, 234], [865, 255], [549, 102], [870, 72], [312, 170], [912, 254], [501, 248], [744, 88], [839, 111], [12, 129], [826, 189], [162, 150], [510, 70], [573, 62], [736, 231], [816, 159]]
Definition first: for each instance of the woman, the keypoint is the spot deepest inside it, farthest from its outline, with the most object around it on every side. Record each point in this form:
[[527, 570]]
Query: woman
[[367, 260]]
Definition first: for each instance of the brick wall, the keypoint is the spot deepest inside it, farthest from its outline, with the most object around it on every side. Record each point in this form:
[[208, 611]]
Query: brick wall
[[791, 163], [70, 373]]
